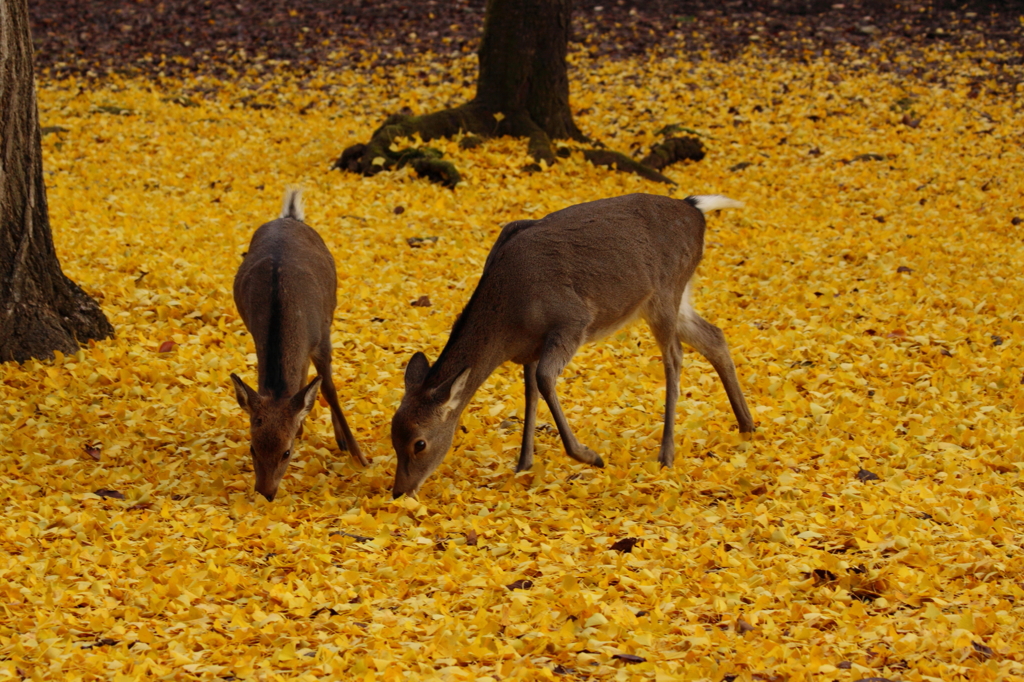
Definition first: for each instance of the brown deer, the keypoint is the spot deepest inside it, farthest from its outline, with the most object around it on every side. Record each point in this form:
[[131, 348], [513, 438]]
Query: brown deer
[[548, 287], [285, 291]]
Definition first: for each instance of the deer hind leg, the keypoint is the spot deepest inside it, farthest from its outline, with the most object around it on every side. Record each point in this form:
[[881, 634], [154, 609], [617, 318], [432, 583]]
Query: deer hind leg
[[710, 342], [559, 347], [666, 333], [342, 433], [530, 422]]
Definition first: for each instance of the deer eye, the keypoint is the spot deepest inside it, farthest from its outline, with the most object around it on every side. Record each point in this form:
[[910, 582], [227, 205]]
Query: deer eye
[[286, 455], [420, 446]]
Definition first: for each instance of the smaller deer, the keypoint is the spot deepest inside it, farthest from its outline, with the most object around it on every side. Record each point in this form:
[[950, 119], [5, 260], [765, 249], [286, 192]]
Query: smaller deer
[[549, 286], [286, 292]]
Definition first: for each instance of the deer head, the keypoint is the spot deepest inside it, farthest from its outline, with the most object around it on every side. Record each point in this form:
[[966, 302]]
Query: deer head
[[424, 425], [274, 423]]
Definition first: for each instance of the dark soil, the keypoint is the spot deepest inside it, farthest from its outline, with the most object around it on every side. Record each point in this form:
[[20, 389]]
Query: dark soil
[[177, 37]]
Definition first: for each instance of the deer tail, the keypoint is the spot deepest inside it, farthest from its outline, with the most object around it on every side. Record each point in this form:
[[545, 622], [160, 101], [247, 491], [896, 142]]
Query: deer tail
[[293, 207], [711, 202]]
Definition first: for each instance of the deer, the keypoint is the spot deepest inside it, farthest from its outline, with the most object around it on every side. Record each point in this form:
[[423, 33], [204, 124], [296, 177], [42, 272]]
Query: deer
[[286, 292], [549, 286]]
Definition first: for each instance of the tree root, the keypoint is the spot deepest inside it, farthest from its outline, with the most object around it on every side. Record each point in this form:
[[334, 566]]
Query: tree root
[[476, 124], [621, 162], [35, 328], [377, 155], [674, 149], [539, 147]]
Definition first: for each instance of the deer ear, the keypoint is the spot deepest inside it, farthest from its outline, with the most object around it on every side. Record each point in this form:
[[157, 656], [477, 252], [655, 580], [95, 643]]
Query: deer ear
[[302, 402], [247, 398], [416, 372], [454, 389]]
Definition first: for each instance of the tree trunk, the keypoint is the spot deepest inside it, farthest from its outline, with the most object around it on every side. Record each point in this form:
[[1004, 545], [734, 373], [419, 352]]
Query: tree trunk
[[41, 310], [522, 63]]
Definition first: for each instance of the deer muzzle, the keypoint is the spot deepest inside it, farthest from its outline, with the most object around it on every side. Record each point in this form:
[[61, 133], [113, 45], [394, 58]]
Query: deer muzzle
[[267, 490]]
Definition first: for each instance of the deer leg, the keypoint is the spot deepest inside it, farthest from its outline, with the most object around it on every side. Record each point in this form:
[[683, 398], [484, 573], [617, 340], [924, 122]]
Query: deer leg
[[667, 336], [342, 433], [530, 422], [558, 350], [710, 342]]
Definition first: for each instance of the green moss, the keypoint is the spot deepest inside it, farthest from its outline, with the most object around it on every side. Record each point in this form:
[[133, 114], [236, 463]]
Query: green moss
[[437, 170]]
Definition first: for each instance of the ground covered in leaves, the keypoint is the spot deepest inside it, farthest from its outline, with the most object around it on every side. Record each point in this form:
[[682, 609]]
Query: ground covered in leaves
[[870, 291]]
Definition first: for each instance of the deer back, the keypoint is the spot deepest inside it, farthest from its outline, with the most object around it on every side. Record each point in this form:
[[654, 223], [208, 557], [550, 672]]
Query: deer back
[[286, 292], [598, 262]]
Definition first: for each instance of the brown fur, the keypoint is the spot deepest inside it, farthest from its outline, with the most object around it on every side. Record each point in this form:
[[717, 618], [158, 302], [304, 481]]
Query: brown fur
[[285, 291], [549, 286]]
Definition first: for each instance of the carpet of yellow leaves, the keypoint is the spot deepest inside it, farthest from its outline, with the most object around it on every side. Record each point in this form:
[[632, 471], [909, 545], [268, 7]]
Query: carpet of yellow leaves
[[873, 304]]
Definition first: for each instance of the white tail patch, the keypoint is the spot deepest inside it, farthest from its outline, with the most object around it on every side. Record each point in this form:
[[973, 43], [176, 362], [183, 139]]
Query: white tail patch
[[712, 202], [686, 311], [293, 207]]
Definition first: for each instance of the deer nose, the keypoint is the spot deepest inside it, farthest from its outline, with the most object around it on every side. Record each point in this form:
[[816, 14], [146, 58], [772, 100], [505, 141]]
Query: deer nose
[[395, 494], [269, 496]]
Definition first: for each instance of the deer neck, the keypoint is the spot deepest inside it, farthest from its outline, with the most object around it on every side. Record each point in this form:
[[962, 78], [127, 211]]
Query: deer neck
[[469, 346]]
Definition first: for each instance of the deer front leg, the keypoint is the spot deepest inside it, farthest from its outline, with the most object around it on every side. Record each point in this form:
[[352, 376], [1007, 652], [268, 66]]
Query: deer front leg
[[558, 350], [343, 435], [530, 421]]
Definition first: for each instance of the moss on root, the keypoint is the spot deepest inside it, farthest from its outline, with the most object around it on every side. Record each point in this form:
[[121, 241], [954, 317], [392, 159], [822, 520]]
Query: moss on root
[[377, 155], [437, 170]]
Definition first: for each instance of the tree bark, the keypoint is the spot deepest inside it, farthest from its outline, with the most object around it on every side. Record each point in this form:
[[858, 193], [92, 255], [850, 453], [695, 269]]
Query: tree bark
[[41, 310], [522, 64]]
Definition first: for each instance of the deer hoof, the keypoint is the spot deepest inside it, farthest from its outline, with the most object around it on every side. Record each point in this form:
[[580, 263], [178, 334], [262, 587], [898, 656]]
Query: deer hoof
[[587, 456], [357, 455]]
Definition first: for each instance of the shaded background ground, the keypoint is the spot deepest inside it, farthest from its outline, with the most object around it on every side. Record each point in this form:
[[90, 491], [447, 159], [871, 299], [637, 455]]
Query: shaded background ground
[[174, 36]]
